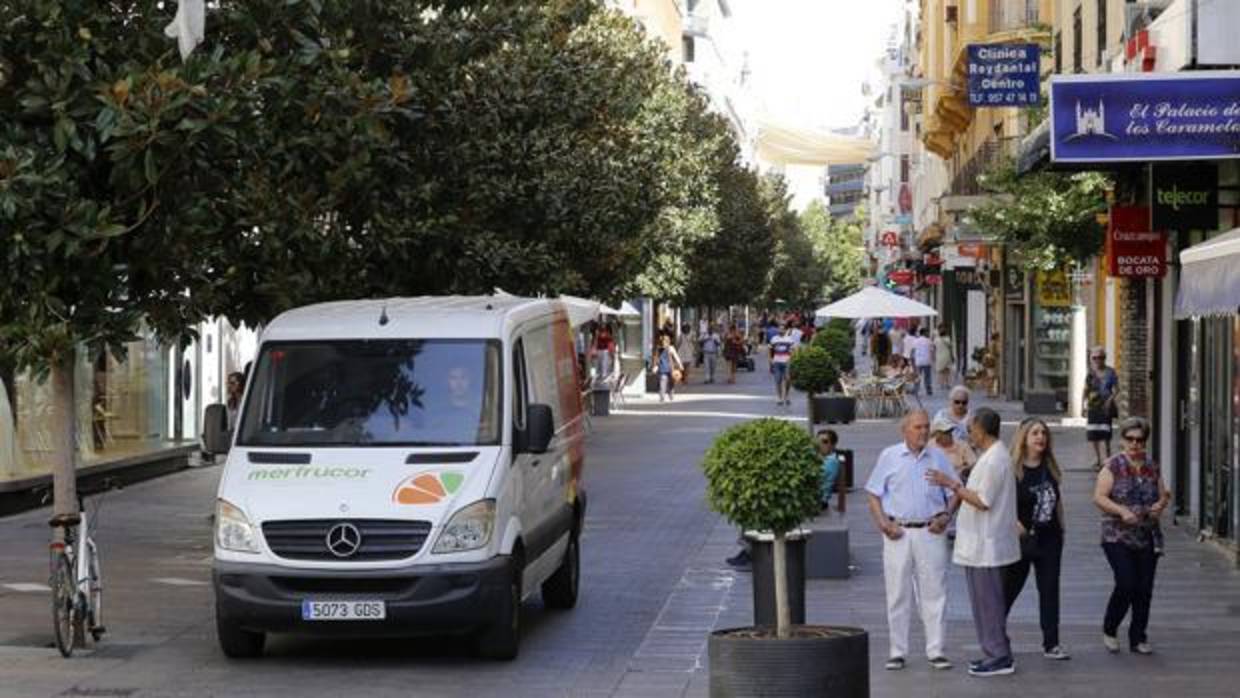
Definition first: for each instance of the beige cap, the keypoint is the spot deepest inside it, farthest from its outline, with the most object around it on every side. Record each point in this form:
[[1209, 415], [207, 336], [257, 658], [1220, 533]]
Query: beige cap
[[942, 424]]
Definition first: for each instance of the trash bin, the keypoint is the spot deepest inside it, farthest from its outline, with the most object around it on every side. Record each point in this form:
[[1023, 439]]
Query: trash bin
[[762, 554], [600, 401]]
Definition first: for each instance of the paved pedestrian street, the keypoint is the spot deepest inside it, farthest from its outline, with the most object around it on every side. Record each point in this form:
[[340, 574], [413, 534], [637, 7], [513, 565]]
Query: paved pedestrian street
[[654, 584]]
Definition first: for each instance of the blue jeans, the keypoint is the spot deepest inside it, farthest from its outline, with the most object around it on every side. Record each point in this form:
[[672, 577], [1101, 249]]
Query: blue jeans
[[927, 377]]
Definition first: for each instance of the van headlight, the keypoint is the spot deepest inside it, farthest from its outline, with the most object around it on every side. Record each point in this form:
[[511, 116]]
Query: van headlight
[[233, 531], [468, 529]]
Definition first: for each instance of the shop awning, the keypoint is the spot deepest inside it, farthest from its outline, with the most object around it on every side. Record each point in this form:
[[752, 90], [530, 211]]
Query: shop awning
[[1209, 280], [785, 144]]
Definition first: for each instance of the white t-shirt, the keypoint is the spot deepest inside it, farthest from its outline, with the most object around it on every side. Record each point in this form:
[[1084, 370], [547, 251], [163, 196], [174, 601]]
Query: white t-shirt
[[989, 538], [923, 352]]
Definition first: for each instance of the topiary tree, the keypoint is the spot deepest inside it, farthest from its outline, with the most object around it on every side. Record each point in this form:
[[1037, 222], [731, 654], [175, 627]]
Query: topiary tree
[[814, 370], [765, 475], [839, 344]]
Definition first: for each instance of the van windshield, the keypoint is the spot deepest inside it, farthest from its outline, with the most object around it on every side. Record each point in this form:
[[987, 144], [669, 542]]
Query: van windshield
[[374, 392]]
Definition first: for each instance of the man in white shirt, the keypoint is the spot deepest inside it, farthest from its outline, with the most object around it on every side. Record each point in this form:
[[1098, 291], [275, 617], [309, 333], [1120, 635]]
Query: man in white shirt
[[921, 353], [711, 345], [912, 514], [986, 539]]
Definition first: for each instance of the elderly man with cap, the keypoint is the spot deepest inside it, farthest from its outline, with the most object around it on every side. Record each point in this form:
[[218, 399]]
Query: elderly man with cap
[[958, 452], [912, 514]]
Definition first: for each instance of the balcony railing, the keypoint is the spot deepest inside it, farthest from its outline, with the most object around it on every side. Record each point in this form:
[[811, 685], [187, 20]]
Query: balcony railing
[[987, 156], [1010, 15]]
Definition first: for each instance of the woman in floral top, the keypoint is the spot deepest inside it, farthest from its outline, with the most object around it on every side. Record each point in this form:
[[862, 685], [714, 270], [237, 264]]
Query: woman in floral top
[[1132, 496]]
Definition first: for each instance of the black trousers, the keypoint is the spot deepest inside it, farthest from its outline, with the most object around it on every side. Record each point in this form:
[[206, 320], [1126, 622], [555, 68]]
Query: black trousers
[[1134, 587], [1045, 560]]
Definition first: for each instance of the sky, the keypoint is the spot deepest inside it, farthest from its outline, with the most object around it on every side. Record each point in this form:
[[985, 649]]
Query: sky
[[809, 58]]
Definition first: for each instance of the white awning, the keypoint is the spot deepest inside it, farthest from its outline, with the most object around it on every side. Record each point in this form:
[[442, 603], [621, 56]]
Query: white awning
[[792, 145], [1210, 278]]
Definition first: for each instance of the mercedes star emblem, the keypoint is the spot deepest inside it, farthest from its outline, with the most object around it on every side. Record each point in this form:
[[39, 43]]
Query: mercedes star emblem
[[344, 539]]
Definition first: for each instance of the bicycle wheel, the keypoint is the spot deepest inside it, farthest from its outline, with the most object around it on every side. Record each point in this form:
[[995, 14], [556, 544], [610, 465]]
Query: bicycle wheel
[[64, 606], [95, 599]]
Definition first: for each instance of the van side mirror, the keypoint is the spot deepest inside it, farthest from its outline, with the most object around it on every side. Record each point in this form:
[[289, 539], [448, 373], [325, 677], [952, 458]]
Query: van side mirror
[[216, 439], [539, 428]]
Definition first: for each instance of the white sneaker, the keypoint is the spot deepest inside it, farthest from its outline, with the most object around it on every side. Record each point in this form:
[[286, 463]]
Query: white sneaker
[[1058, 653], [1111, 643], [1143, 648]]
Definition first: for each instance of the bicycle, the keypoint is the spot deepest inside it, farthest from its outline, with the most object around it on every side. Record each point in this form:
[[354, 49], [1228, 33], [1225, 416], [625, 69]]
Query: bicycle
[[76, 581]]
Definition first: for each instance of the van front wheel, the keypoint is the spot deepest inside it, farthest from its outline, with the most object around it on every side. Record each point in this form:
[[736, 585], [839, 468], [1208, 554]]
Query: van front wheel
[[502, 638], [236, 642], [560, 590]]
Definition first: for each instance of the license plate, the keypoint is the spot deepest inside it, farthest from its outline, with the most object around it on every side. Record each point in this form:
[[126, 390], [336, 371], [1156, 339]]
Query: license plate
[[343, 610]]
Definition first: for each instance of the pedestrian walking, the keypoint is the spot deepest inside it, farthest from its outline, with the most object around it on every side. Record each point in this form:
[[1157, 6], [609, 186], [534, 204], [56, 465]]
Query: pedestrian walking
[[1040, 521], [1101, 407], [986, 539], [944, 358], [733, 351], [235, 386], [669, 367], [605, 350], [896, 334], [922, 351], [1132, 496], [712, 343], [882, 349], [781, 355], [686, 349], [912, 515], [956, 412]]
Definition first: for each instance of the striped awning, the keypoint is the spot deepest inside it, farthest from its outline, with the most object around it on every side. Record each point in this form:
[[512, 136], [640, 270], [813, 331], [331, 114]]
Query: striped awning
[[1210, 278]]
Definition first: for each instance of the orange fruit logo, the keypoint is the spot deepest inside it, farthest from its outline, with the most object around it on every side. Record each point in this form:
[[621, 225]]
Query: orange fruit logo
[[427, 488]]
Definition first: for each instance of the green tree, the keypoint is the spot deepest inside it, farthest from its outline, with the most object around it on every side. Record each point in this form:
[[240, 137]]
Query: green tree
[[731, 267], [324, 149], [1049, 216], [796, 277], [838, 249]]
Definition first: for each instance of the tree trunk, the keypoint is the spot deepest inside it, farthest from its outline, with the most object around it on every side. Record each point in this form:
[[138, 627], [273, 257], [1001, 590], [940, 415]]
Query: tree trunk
[[783, 612], [64, 416]]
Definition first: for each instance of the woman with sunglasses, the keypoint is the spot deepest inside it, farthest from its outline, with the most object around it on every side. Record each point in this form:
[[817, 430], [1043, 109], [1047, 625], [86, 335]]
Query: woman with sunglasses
[[1101, 391], [1132, 496], [1039, 514]]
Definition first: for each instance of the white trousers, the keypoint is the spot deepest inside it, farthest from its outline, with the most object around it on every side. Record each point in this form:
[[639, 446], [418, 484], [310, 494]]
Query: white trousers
[[915, 570]]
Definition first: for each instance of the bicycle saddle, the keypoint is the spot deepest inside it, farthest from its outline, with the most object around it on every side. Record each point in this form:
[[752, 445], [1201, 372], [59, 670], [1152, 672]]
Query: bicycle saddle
[[64, 520]]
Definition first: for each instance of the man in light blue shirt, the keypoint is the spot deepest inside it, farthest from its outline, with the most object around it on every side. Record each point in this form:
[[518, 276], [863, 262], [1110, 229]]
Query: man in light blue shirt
[[912, 514]]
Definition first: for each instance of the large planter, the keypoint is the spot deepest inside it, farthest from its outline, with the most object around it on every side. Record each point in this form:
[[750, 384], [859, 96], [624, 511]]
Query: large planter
[[817, 660], [832, 409], [762, 554]]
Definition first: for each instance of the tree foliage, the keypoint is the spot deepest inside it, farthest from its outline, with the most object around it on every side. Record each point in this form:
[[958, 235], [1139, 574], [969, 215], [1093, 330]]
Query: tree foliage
[[732, 266], [336, 148], [838, 249], [796, 277], [764, 475], [1050, 216]]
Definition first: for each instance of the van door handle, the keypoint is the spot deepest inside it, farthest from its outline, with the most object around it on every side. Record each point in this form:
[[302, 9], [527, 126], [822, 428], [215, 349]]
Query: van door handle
[[534, 463]]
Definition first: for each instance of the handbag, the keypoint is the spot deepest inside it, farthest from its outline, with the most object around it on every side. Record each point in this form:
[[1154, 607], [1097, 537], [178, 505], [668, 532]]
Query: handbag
[[677, 375]]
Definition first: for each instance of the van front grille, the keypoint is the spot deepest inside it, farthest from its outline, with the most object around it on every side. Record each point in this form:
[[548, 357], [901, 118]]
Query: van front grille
[[380, 539]]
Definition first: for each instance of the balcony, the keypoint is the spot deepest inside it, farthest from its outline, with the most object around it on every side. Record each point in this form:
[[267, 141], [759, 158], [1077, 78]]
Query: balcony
[[990, 153], [835, 189], [1013, 15]]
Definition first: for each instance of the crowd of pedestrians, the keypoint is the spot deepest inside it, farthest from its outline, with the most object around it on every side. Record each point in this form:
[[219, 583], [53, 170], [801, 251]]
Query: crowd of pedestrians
[[1005, 507]]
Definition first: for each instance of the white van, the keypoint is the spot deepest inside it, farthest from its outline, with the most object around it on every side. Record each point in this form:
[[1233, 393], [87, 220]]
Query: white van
[[401, 467]]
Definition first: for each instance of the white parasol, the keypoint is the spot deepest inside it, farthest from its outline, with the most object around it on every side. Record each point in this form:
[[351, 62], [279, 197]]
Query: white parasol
[[873, 302]]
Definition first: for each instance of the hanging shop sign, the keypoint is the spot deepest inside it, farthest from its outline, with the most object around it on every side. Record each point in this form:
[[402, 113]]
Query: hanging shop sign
[[1004, 75], [969, 279], [1054, 291], [1117, 117], [954, 259], [934, 279], [1185, 196], [906, 199], [889, 238], [902, 277], [1132, 249]]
